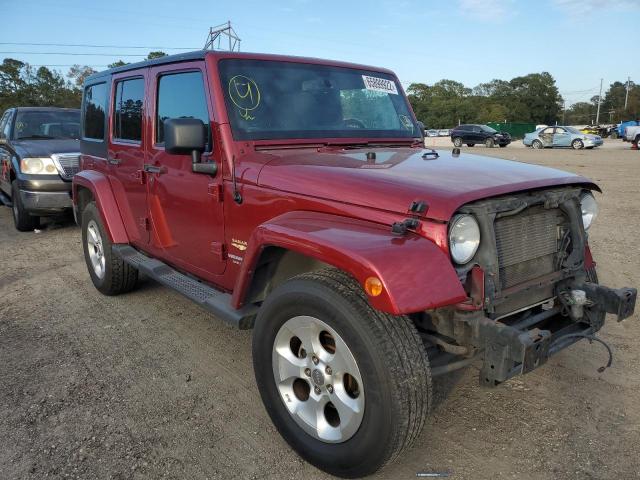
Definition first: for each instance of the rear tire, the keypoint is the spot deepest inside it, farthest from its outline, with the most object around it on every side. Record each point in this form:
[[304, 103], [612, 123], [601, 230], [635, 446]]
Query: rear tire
[[21, 218], [577, 144], [537, 144], [108, 272], [457, 142], [389, 357]]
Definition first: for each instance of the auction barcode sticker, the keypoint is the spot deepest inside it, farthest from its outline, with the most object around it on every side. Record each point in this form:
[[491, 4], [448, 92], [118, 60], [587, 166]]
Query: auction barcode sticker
[[379, 84]]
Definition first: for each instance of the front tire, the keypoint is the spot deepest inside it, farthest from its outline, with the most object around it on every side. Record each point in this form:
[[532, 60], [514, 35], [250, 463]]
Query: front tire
[[324, 358], [577, 144], [21, 218], [108, 272]]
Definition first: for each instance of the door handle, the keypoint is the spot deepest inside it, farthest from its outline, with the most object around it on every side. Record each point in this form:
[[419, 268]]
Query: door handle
[[154, 169]]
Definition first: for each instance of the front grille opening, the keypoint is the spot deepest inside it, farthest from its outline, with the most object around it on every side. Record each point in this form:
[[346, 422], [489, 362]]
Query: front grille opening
[[528, 244]]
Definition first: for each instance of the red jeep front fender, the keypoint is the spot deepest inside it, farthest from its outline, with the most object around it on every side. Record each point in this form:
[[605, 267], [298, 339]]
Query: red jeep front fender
[[415, 273], [99, 186]]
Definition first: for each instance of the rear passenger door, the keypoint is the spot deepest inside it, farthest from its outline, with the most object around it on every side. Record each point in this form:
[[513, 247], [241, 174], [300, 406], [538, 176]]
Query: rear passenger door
[[127, 152]]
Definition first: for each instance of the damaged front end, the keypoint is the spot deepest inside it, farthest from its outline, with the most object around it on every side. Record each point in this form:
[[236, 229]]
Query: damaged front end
[[532, 288]]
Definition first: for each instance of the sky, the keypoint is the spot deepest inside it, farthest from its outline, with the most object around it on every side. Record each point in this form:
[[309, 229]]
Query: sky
[[470, 41]]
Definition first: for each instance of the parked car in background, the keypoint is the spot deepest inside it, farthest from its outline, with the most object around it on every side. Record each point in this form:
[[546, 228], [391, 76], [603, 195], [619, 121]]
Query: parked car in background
[[432, 133], [444, 132], [618, 131], [474, 134], [632, 134], [561, 136], [39, 154]]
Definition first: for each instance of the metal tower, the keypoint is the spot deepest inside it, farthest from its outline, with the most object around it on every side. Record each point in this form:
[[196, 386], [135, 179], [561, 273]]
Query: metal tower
[[216, 35]]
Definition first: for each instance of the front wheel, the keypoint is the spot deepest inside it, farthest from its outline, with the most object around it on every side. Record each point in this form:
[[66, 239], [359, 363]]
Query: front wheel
[[347, 386], [21, 218], [577, 144], [108, 272], [457, 142]]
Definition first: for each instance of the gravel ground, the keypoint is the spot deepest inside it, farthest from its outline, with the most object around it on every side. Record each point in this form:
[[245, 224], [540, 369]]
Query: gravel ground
[[147, 385]]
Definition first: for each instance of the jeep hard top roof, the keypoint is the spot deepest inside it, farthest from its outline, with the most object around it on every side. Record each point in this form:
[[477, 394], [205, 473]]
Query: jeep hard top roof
[[202, 54]]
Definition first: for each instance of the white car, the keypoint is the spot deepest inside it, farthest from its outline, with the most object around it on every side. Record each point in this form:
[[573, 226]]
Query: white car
[[632, 134]]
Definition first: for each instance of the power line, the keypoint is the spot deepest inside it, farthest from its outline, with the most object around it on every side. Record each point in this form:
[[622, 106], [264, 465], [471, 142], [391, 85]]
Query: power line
[[94, 46], [78, 54]]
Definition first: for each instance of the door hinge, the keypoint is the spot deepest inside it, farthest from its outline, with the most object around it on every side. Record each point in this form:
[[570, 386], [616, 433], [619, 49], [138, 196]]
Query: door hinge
[[144, 223], [219, 249], [140, 177], [216, 191]]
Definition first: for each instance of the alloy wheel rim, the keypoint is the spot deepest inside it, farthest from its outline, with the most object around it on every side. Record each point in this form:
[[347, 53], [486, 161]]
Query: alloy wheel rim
[[318, 379], [95, 249]]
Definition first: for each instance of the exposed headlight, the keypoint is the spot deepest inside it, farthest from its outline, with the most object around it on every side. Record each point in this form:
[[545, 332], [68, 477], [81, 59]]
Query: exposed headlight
[[38, 166], [589, 209], [464, 238]]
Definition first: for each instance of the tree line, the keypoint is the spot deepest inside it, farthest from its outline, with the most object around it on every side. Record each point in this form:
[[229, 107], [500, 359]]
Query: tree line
[[532, 98], [25, 86]]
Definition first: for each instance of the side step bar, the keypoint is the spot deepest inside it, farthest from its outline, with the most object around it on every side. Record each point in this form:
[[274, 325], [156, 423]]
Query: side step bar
[[215, 301]]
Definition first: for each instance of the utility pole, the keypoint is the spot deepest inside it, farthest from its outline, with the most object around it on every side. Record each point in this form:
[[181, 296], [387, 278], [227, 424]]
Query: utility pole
[[599, 102], [217, 33], [626, 97], [564, 111]]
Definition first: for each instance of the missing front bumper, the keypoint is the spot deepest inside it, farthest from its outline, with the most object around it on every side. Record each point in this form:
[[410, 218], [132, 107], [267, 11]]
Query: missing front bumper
[[518, 348]]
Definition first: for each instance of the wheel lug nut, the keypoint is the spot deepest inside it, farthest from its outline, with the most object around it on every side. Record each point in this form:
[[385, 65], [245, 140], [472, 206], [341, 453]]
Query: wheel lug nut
[[328, 370], [330, 388], [307, 372], [315, 359], [317, 390]]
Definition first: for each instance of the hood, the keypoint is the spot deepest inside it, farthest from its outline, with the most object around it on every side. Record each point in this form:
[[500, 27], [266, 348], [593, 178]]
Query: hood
[[398, 176], [45, 148]]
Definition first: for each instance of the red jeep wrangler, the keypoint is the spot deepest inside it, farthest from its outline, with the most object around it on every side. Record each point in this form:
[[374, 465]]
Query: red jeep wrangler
[[294, 196]]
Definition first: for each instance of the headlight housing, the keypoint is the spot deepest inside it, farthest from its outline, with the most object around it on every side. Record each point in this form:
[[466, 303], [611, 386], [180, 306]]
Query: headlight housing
[[38, 166], [464, 238], [589, 208]]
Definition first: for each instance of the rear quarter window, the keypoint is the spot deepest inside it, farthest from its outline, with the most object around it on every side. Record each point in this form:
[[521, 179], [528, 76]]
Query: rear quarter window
[[94, 111]]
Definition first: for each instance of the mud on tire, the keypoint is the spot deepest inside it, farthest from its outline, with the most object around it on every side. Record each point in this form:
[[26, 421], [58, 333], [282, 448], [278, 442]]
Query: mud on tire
[[108, 272], [390, 357]]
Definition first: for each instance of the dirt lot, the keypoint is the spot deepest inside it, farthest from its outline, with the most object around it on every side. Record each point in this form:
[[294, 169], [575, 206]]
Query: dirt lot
[[147, 385]]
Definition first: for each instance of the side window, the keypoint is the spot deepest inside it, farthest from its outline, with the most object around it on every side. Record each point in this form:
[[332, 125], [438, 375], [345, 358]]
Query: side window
[[181, 95], [476, 129], [3, 123], [95, 99], [127, 110], [547, 131], [560, 130]]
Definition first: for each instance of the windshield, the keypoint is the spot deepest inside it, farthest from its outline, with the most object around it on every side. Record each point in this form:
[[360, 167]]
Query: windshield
[[488, 129], [283, 100], [47, 124]]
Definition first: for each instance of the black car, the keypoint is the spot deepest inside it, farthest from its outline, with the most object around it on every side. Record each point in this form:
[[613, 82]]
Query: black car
[[39, 154], [472, 134]]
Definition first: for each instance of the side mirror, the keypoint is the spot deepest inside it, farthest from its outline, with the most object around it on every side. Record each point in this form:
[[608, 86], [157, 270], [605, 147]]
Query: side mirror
[[184, 136]]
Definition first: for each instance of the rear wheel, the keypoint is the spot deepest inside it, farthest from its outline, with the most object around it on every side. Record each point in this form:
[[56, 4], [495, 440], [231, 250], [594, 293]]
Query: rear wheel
[[577, 144], [21, 218], [489, 143], [109, 273], [537, 144], [457, 142], [347, 386]]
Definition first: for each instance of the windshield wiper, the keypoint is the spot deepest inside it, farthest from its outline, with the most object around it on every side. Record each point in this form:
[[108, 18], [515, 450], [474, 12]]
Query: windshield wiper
[[36, 137]]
